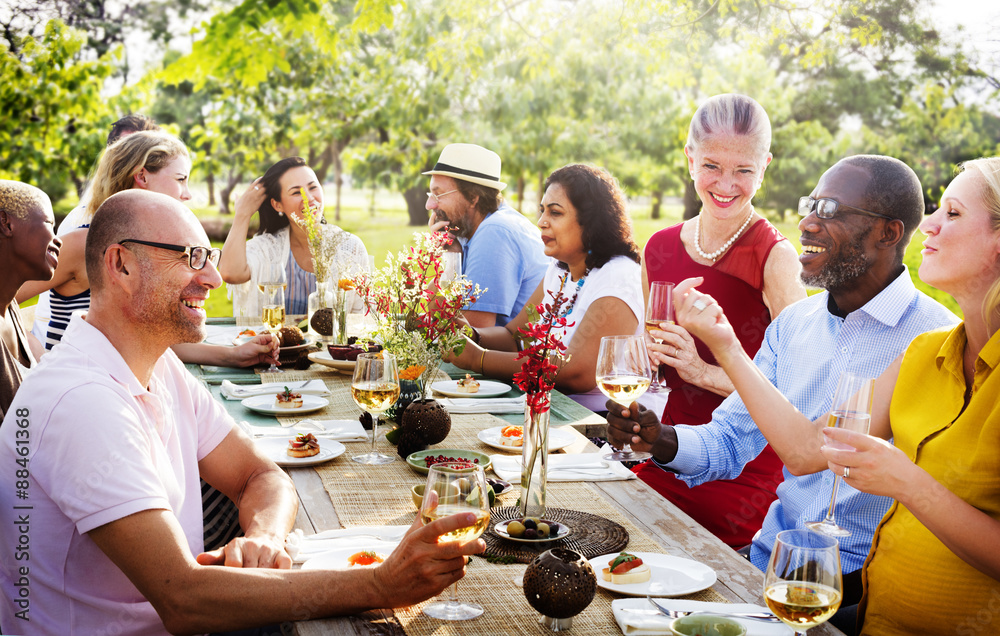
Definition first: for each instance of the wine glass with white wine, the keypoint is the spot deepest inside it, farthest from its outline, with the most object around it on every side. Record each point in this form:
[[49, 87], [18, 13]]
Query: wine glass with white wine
[[659, 309], [375, 387], [852, 410], [623, 375], [272, 312], [803, 584], [465, 486]]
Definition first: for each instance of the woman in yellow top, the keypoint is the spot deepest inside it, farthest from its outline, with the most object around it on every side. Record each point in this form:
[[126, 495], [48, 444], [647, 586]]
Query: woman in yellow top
[[934, 566]]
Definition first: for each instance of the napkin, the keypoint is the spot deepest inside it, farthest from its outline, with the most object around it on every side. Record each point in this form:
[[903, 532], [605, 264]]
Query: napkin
[[302, 548], [644, 619], [576, 467], [483, 405], [241, 392], [340, 430]]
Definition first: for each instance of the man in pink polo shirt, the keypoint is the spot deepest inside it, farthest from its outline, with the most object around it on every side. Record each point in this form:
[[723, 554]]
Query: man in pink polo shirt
[[102, 449]]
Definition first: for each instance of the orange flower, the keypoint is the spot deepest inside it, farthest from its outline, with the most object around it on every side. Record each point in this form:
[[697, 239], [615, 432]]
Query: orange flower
[[411, 373], [345, 283]]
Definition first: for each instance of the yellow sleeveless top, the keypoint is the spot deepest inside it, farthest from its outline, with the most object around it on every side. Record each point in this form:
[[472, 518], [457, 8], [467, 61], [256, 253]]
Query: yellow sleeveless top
[[913, 583]]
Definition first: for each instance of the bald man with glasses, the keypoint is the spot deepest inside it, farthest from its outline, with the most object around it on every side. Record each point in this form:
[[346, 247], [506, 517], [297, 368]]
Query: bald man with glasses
[[118, 433]]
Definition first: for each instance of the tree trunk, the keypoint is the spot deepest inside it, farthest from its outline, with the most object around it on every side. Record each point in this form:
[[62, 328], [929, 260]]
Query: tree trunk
[[371, 204], [335, 151], [541, 185], [210, 182], [692, 204], [520, 192], [416, 200], [227, 190], [657, 202]]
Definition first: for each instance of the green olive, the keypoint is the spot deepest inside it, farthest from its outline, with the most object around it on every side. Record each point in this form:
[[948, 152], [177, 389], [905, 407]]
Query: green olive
[[543, 529], [515, 529]]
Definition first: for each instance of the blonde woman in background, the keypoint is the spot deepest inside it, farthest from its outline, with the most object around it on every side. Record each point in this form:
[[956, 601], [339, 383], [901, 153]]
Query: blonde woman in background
[[149, 160]]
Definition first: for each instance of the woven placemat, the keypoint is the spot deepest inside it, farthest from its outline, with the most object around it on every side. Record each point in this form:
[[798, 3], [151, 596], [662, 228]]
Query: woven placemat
[[590, 535]]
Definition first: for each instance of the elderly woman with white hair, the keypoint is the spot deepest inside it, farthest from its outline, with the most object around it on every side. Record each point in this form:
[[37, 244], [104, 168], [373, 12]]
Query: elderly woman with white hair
[[753, 272]]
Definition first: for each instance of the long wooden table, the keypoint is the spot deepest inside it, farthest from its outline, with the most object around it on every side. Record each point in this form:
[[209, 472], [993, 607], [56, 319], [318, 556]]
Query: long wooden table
[[674, 531]]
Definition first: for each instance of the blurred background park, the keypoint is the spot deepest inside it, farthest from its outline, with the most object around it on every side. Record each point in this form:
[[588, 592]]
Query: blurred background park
[[369, 91]]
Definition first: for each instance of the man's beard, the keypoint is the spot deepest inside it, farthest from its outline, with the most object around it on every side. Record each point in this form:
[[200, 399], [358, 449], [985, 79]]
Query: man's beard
[[843, 267]]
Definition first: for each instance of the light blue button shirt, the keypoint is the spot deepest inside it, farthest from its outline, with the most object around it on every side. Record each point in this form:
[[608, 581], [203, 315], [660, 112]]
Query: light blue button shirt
[[805, 350]]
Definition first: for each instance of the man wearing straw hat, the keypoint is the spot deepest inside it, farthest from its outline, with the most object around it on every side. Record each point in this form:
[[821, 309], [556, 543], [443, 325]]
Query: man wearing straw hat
[[502, 251]]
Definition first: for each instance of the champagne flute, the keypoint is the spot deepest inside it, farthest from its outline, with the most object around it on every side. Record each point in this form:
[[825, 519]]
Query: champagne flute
[[623, 375], [375, 387], [852, 410], [803, 584], [465, 485], [659, 309], [273, 310]]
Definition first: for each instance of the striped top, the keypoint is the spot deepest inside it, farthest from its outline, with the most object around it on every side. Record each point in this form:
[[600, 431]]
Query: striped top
[[60, 309], [300, 284]]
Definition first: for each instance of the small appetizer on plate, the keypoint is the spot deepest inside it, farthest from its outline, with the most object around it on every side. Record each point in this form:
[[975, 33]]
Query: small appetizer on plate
[[468, 384], [625, 569], [364, 558], [288, 400], [512, 435], [304, 445]]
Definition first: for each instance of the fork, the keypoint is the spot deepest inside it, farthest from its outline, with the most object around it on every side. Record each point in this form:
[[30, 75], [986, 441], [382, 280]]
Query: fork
[[757, 616]]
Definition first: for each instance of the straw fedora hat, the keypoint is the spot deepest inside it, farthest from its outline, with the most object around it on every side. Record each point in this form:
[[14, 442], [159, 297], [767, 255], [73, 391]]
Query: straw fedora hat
[[470, 162]]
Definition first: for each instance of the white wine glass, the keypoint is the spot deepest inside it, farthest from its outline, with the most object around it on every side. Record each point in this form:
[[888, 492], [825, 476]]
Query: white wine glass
[[659, 309], [272, 312], [375, 387], [623, 375], [465, 490], [852, 410], [803, 584]]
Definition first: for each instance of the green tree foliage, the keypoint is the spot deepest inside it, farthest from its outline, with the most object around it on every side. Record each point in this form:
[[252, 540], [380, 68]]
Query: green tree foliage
[[53, 118]]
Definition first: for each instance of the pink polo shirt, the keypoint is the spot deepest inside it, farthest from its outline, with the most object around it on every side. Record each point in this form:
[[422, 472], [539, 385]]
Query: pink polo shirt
[[100, 447]]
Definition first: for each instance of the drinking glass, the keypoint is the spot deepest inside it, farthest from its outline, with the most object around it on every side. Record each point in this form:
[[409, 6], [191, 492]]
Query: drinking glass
[[273, 309], [465, 485], [803, 585], [375, 387], [852, 409], [623, 375], [659, 309], [451, 263]]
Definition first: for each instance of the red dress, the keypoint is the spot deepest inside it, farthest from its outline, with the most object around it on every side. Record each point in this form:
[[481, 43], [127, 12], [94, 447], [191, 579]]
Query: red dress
[[734, 509]]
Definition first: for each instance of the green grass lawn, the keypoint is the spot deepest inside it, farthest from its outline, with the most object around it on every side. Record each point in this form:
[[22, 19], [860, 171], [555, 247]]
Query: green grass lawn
[[387, 230]]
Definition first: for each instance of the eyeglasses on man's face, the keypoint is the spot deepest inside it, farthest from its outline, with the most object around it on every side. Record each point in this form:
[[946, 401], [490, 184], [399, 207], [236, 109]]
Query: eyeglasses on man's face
[[437, 197], [826, 208], [197, 256]]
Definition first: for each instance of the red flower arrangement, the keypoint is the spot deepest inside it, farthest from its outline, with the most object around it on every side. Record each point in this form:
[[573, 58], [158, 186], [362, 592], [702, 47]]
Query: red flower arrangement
[[543, 342]]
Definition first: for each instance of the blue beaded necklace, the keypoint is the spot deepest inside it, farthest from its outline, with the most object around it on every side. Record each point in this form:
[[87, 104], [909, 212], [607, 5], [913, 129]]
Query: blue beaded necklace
[[572, 301]]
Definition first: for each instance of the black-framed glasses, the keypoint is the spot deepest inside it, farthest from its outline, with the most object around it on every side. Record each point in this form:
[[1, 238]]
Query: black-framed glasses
[[827, 208], [197, 255]]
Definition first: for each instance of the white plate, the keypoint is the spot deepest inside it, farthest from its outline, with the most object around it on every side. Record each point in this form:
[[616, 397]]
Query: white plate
[[336, 559], [275, 447], [501, 530], [669, 575], [226, 337], [557, 439], [265, 404], [324, 358], [487, 388], [305, 345]]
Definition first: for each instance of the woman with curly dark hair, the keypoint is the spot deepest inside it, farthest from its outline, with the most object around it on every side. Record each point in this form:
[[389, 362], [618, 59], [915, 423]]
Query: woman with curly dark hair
[[587, 232]]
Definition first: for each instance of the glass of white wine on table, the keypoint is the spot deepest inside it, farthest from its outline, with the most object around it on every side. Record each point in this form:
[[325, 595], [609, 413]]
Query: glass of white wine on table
[[623, 375], [454, 488], [803, 584], [852, 410], [659, 309], [374, 388], [273, 309]]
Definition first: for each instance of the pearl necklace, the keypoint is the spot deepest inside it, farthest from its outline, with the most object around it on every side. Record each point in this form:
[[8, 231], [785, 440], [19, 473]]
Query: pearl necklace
[[725, 246]]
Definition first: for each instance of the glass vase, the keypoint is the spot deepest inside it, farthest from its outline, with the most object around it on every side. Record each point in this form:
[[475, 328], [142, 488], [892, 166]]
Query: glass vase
[[341, 316], [534, 461], [322, 316]]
